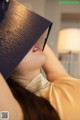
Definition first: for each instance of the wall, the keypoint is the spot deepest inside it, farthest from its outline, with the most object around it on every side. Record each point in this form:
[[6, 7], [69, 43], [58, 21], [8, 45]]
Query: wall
[[53, 11], [36, 5]]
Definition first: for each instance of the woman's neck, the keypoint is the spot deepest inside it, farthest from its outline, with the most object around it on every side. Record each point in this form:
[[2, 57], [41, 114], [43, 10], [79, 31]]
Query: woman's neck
[[24, 79]]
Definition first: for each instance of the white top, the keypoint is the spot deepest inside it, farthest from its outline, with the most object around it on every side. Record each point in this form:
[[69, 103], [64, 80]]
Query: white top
[[63, 94]]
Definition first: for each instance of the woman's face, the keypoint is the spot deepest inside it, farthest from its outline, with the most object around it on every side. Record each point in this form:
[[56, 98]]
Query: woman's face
[[35, 58]]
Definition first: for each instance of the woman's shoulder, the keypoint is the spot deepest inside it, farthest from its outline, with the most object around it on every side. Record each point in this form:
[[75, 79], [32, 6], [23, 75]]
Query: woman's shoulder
[[67, 80], [64, 86]]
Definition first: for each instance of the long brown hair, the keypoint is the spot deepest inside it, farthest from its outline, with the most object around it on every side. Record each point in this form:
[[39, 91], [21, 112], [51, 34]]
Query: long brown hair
[[34, 107]]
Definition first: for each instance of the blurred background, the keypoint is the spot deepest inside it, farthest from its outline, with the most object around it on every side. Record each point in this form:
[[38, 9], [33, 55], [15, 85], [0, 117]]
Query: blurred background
[[64, 38]]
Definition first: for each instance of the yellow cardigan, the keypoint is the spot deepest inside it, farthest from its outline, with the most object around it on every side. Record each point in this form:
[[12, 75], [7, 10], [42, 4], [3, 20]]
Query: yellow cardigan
[[63, 94]]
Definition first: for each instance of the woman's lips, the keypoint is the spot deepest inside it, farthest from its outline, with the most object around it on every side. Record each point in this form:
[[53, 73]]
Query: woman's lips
[[36, 48]]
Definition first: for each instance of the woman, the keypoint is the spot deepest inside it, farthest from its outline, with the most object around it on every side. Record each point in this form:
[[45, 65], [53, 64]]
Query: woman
[[21, 103], [20, 28], [15, 98], [62, 91]]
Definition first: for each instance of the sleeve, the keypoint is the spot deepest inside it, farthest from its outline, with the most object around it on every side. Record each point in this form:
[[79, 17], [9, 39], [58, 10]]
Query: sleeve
[[64, 96]]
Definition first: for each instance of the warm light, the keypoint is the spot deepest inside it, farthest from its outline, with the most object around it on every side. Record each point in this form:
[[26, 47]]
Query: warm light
[[69, 41]]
